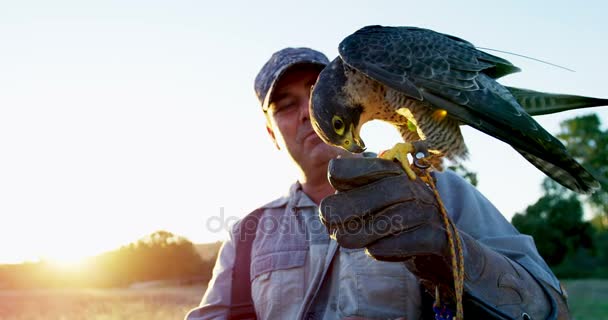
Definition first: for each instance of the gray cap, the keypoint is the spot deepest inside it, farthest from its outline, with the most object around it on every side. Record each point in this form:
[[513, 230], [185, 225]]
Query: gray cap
[[278, 64]]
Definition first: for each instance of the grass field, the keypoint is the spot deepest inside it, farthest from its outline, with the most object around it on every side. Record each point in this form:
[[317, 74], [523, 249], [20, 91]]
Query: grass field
[[98, 304], [588, 301]]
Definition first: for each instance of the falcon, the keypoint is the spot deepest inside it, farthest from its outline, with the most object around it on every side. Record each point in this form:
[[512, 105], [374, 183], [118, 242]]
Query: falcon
[[427, 84]]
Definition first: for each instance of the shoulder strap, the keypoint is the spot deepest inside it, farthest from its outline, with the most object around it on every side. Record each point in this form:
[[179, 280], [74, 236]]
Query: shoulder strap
[[241, 304]]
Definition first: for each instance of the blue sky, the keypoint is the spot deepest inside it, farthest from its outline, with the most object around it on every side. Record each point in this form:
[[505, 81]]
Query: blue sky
[[119, 118]]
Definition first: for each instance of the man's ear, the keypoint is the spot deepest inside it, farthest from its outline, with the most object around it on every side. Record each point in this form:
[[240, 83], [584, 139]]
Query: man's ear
[[272, 136]]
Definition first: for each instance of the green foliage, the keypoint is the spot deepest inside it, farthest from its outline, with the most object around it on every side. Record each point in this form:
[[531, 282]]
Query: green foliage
[[588, 143], [572, 247], [556, 223]]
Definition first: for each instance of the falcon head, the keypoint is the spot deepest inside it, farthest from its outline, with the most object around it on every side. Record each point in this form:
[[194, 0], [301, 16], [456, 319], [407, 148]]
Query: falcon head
[[333, 117]]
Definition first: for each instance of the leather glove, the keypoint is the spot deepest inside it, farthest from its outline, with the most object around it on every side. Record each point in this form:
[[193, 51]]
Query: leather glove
[[379, 208], [396, 219]]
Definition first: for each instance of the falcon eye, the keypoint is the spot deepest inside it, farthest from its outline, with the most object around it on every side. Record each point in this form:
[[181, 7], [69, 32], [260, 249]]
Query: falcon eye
[[338, 125]]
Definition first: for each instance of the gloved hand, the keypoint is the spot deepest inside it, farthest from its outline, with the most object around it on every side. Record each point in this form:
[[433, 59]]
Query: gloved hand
[[396, 219], [379, 208]]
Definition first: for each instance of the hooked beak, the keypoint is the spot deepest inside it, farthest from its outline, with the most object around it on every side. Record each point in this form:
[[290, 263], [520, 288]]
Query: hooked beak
[[352, 142]]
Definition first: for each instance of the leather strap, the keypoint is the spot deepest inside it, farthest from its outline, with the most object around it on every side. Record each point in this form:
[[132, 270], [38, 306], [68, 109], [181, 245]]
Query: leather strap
[[241, 303]]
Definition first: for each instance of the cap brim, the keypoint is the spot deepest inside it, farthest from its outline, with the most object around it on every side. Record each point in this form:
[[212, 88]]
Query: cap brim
[[268, 96]]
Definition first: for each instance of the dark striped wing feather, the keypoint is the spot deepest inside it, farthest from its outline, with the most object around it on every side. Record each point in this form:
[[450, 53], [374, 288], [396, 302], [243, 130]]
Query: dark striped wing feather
[[452, 74]]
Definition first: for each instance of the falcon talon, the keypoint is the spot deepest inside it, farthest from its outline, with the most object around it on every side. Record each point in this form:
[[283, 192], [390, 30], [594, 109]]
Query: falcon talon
[[399, 154]]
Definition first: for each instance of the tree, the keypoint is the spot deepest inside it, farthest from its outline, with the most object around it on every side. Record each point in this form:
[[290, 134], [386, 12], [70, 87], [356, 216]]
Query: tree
[[158, 256], [588, 143], [556, 223], [162, 255]]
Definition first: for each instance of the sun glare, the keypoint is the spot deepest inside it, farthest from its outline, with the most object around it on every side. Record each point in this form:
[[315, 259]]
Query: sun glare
[[66, 262], [70, 266]]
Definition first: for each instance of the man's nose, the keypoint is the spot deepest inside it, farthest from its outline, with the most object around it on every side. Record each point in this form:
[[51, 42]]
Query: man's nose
[[304, 113]]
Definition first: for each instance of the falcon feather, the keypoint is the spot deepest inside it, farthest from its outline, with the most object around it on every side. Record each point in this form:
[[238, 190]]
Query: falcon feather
[[408, 76]]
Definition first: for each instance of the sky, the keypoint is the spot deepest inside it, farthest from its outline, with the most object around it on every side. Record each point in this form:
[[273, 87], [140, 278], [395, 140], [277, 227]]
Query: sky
[[120, 118]]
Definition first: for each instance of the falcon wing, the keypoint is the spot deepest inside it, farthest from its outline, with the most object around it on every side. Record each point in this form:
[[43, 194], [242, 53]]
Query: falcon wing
[[451, 74], [422, 63]]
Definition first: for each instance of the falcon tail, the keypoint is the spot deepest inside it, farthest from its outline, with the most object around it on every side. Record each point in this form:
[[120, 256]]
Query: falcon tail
[[538, 103], [566, 172]]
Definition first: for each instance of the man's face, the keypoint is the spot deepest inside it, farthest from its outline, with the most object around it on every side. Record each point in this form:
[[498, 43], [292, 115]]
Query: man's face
[[290, 125]]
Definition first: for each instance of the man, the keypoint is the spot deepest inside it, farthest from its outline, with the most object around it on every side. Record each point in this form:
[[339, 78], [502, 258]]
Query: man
[[298, 272]]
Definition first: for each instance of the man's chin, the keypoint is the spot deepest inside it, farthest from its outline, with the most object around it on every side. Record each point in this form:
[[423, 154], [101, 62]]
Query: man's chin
[[320, 148]]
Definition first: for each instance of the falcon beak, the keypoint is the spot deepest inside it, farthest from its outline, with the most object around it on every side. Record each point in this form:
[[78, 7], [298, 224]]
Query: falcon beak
[[353, 142]]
